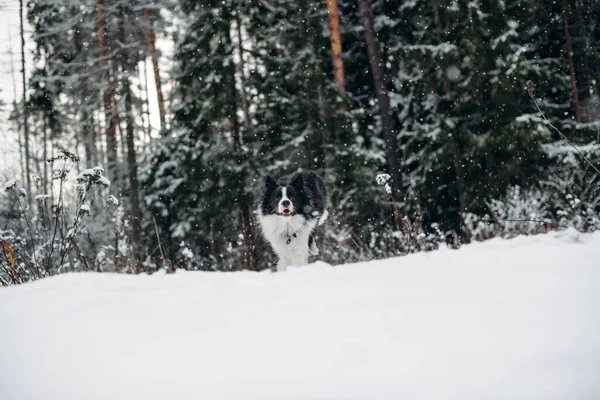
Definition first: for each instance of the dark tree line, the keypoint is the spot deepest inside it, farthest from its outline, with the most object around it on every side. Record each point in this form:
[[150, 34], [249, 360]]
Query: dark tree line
[[430, 92]]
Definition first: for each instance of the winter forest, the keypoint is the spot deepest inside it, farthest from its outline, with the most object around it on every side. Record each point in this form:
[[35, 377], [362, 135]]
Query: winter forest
[[434, 123]]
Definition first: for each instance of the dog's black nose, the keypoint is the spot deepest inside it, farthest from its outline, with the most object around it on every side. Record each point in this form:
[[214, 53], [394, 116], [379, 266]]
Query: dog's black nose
[[285, 203]]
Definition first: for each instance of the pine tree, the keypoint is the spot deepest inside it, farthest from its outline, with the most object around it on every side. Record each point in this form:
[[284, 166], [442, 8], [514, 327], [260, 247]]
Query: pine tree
[[199, 171]]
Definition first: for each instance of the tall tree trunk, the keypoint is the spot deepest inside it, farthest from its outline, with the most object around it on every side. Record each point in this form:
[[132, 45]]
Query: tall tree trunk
[[88, 139], [231, 93], [387, 122], [110, 114], [336, 46], [132, 174], [46, 181], [318, 159], [248, 237], [565, 9], [147, 137], [233, 106], [15, 106], [242, 74], [153, 55], [456, 143], [25, 110], [97, 132], [135, 217]]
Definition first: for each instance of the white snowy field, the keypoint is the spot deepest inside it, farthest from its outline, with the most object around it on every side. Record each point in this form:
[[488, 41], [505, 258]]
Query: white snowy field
[[504, 319]]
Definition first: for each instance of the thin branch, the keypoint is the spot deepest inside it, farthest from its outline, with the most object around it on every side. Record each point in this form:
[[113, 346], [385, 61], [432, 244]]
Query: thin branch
[[539, 221], [159, 245], [28, 224], [530, 87]]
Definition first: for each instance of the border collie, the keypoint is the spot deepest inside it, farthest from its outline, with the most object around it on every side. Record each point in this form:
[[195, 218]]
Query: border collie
[[291, 209]]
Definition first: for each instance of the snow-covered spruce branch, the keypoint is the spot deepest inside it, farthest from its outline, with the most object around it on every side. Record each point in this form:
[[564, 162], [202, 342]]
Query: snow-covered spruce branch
[[530, 87]]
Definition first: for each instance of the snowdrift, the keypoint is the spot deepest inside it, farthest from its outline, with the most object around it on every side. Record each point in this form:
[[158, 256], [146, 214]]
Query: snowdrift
[[504, 319]]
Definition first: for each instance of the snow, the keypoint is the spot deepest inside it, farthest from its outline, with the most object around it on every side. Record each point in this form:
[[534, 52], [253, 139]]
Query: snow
[[42, 197], [113, 200], [502, 319], [93, 174], [10, 184], [187, 252], [384, 180]]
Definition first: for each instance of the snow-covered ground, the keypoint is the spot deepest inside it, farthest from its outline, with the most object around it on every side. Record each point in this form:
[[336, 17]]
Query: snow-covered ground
[[504, 319]]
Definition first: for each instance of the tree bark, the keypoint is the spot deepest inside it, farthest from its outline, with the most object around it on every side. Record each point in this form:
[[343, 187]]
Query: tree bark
[[132, 174], [16, 107], [88, 140], [233, 104], [25, 110], [153, 55], [242, 72], [46, 182], [146, 106], [336, 46], [387, 122], [565, 9], [110, 115]]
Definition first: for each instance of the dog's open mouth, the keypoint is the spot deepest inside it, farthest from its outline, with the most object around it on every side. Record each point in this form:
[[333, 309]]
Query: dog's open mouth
[[286, 213]]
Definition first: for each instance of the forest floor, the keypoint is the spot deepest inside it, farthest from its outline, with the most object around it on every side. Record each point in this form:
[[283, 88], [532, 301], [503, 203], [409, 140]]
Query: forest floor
[[503, 319]]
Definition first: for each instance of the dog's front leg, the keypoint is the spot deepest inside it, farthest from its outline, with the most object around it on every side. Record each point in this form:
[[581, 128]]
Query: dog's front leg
[[282, 264], [312, 246]]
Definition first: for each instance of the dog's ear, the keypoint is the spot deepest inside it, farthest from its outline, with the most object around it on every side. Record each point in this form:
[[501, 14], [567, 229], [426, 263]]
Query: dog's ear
[[270, 184], [297, 182]]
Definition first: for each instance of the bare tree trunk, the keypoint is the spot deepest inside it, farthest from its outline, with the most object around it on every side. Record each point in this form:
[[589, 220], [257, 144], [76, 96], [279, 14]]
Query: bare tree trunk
[[455, 144], [19, 141], [565, 9], [15, 105], [132, 173], [440, 31], [242, 73], [233, 104], [387, 122], [110, 115], [97, 132], [147, 136], [248, 238], [158, 82], [231, 94], [336, 46], [46, 181], [25, 110], [88, 143], [318, 160], [121, 135]]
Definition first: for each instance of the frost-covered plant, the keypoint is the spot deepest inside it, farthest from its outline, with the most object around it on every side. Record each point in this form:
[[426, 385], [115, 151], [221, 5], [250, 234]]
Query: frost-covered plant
[[521, 212], [574, 199], [477, 228], [46, 239]]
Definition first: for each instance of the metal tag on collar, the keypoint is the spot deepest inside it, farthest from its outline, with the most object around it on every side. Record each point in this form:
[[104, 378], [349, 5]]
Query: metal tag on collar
[[290, 239]]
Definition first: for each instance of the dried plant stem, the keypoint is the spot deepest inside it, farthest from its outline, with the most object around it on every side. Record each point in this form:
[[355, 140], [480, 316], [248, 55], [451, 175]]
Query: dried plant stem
[[56, 217], [159, 245], [28, 226]]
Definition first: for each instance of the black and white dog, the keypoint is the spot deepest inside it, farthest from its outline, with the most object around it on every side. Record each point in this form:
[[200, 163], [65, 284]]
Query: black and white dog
[[291, 209]]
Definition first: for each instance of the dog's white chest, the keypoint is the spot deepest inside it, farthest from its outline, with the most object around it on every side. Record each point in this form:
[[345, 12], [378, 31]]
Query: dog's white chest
[[288, 237]]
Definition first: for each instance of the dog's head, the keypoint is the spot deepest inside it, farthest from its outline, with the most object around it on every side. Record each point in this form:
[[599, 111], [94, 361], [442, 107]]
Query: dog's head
[[284, 200]]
